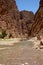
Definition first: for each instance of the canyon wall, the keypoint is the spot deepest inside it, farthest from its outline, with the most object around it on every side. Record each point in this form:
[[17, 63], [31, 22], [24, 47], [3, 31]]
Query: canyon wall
[[20, 24], [14, 22], [37, 27], [9, 17]]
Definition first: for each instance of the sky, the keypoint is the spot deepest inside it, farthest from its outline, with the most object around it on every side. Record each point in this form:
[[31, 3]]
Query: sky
[[29, 5]]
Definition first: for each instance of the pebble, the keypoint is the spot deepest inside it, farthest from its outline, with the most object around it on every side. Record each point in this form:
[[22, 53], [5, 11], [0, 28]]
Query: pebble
[[26, 63], [22, 64]]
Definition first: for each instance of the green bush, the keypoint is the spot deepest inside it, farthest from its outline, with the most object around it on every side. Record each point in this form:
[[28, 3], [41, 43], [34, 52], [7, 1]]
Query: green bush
[[4, 33]]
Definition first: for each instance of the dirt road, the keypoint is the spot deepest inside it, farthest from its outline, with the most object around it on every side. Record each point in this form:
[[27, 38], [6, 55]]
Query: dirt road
[[21, 54]]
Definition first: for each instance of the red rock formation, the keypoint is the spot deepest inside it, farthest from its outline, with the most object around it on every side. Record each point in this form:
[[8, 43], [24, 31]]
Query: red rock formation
[[38, 24], [27, 19], [9, 17], [20, 24], [41, 3], [9, 7], [15, 22]]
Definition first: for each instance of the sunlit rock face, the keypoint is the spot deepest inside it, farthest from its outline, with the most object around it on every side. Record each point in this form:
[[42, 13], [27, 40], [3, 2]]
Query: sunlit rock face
[[37, 27], [20, 24], [9, 17], [14, 22], [9, 7]]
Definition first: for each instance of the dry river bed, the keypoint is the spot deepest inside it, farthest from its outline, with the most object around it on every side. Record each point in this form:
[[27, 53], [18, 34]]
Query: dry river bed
[[21, 53]]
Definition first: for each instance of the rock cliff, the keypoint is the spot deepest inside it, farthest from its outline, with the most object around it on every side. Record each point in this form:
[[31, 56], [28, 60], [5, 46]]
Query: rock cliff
[[14, 22], [9, 17], [27, 19], [20, 24], [37, 27]]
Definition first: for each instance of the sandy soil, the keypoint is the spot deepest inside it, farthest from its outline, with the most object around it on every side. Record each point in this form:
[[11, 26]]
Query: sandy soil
[[21, 53], [9, 41]]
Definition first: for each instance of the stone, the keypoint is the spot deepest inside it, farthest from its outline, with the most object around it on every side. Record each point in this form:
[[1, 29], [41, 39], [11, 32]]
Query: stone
[[38, 24], [27, 19], [14, 22], [20, 24], [9, 17]]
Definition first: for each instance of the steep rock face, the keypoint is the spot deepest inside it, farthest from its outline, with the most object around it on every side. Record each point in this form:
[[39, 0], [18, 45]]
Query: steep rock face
[[9, 7], [41, 3], [38, 24], [27, 15], [20, 24], [9, 17], [26, 19], [14, 22]]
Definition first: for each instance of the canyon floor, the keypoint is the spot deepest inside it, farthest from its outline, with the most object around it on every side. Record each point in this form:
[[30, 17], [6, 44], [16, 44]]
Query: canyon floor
[[21, 53]]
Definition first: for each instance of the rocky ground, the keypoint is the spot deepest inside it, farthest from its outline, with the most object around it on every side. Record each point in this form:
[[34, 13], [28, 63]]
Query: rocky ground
[[22, 53]]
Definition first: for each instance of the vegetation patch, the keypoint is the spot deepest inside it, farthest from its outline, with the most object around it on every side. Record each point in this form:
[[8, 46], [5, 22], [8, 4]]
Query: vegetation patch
[[3, 34]]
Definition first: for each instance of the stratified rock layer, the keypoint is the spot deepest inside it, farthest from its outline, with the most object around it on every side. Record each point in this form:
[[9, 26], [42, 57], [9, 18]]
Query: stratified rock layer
[[14, 22], [20, 24], [38, 24], [9, 17], [27, 19]]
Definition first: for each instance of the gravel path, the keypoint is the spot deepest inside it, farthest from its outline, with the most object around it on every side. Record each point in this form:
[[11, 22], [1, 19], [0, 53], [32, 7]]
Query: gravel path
[[21, 54]]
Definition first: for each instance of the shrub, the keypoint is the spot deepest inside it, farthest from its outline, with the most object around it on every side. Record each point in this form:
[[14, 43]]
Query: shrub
[[3, 34]]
